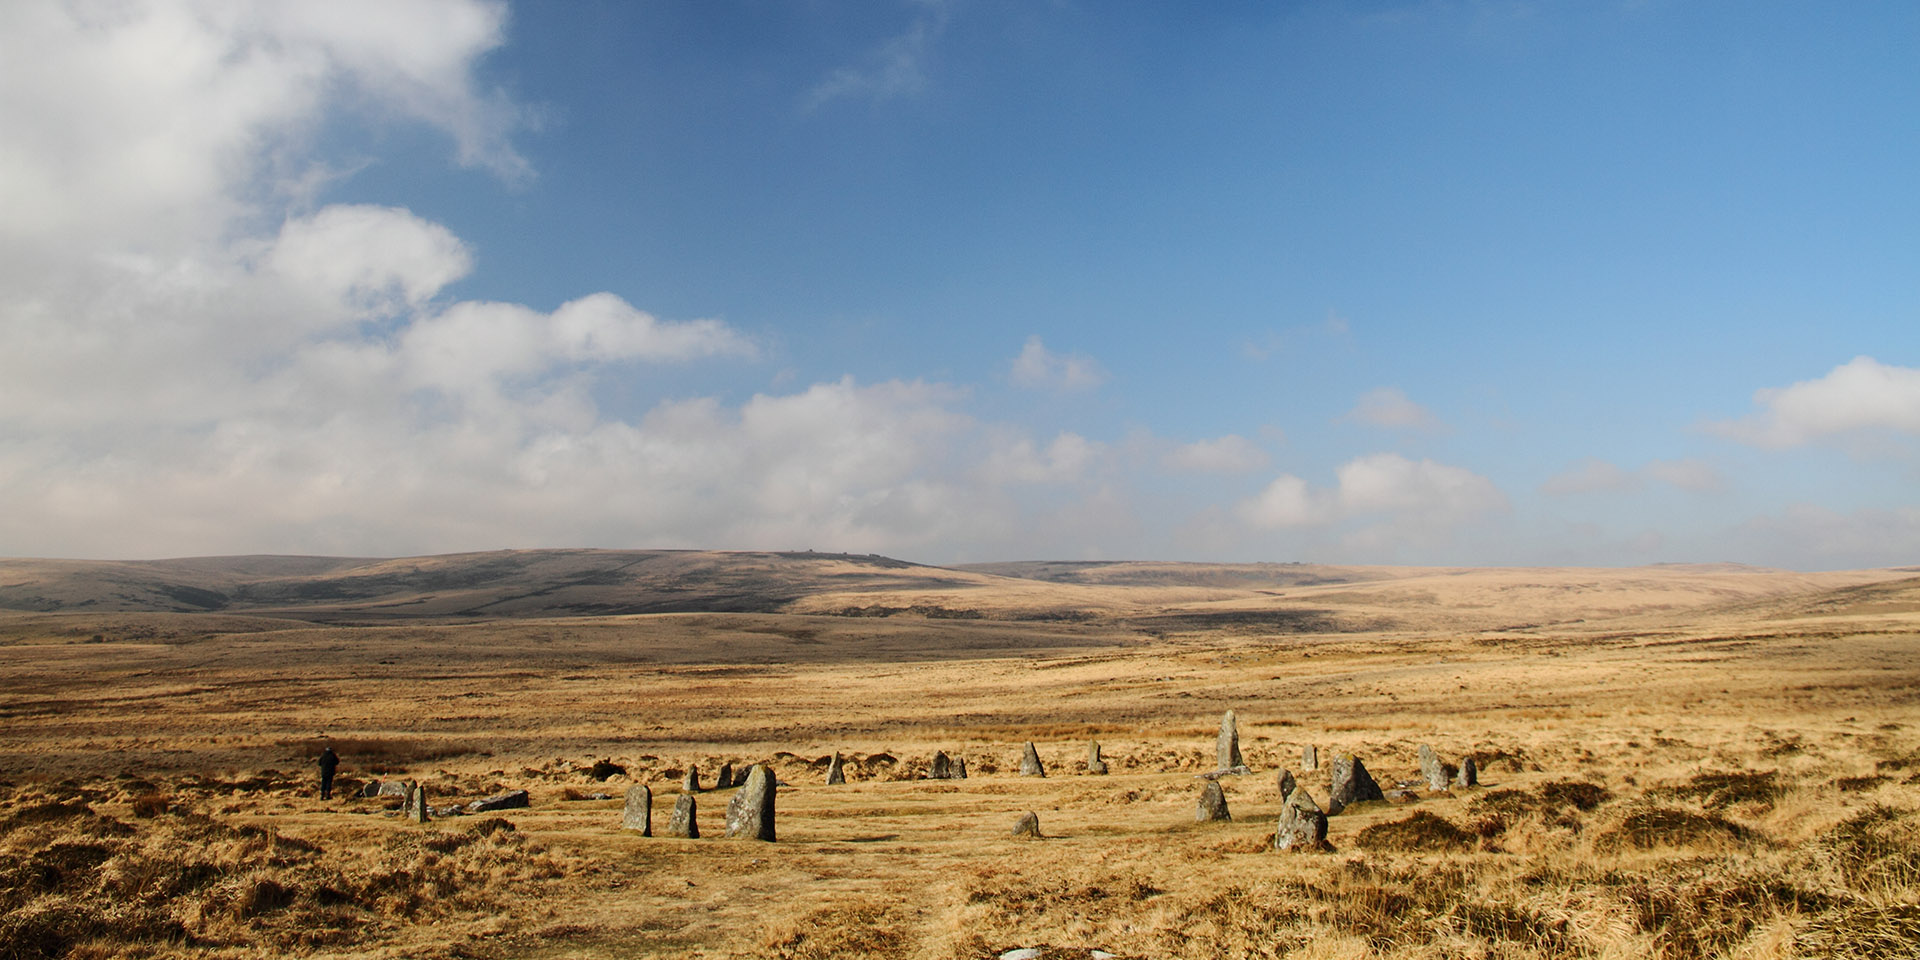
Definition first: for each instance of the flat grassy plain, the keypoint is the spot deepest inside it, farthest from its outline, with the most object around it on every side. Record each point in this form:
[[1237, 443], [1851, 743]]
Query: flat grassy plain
[[1675, 761]]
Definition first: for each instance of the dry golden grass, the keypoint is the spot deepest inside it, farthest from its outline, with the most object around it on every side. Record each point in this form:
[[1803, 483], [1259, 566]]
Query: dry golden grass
[[1675, 763]]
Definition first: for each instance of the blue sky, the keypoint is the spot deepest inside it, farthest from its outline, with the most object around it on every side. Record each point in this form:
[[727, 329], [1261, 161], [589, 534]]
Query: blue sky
[[1459, 283]]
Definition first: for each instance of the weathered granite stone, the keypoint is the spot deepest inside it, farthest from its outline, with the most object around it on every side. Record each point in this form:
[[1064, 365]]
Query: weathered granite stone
[[1285, 779], [1400, 795], [604, 770], [1027, 826], [1469, 775], [724, 778], [639, 812], [1302, 826], [417, 809], [683, 823], [509, 800], [941, 768], [960, 768], [1351, 784], [1309, 758], [1432, 768], [836, 771], [1030, 765], [691, 782], [1095, 765], [1227, 748], [750, 812], [1213, 804], [392, 788]]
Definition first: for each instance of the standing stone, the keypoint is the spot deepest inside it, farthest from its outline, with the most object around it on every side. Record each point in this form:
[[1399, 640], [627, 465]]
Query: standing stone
[[1302, 826], [836, 771], [1351, 784], [724, 778], [960, 768], [1095, 765], [417, 809], [750, 812], [1432, 768], [1213, 804], [639, 812], [1286, 782], [1227, 748], [941, 768], [683, 824], [1027, 826], [691, 782], [1030, 765], [1309, 758], [1469, 775]]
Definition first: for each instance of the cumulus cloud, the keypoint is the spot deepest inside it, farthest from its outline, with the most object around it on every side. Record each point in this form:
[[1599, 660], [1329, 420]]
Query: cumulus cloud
[[1039, 368], [1389, 407], [1858, 396], [1229, 454], [1411, 494]]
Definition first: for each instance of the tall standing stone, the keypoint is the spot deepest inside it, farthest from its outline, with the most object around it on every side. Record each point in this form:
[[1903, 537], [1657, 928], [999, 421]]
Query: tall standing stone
[[1027, 826], [1095, 765], [1213, 804], [683, 823], [1351, 784], [1309, 758], [1286, 783], [1030, 765], [750, 812], [417, 805], [836, 771], [941, 768], [1302, 826], [691, 782], [1432, 768], [639, 812], [1227, 748], [960, 768], [1469, 775], [724, 778]]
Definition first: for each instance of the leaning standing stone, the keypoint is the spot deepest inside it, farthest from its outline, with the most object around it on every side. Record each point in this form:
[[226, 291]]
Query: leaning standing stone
[[1095, 765], [1309, 758], [691, 782], [1227, 748], [1351, 784], [1027, 826], [836, 771], [1213, 804], [1286, 782], [417, 809], [1302, 826], [683, 822], [1469, 775], [1432, 769], [1030, 765], [639, 812], [750, 812]]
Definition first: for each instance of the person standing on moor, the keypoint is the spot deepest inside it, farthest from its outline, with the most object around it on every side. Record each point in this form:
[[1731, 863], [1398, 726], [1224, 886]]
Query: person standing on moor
[[328, 761]]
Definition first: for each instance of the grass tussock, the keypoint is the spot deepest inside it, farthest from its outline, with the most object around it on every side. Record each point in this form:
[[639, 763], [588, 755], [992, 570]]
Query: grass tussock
[[1653, 826], [1418, 832]]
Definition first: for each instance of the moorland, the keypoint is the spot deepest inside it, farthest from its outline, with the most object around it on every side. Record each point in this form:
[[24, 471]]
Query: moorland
[[1675, 761]]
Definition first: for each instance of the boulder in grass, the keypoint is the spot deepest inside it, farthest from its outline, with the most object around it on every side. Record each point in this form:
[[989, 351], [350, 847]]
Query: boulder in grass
[[1351, 784], [684, 822], [1027, 826], [1432, 769], [750, 812], [1213, 804], [1226, 747], [1302, 827], [1030, 765], [639, 812], [505, 800], [387, 788]]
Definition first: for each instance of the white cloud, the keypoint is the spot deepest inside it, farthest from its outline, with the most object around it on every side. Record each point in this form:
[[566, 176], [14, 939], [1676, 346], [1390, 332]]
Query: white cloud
[[1591, 475], [1040, 368], [1696, 476], [1065, 459], [1860, 395], [897, 68], [1411, 494], [372, 260], [1229, 454], [1389, 407]]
